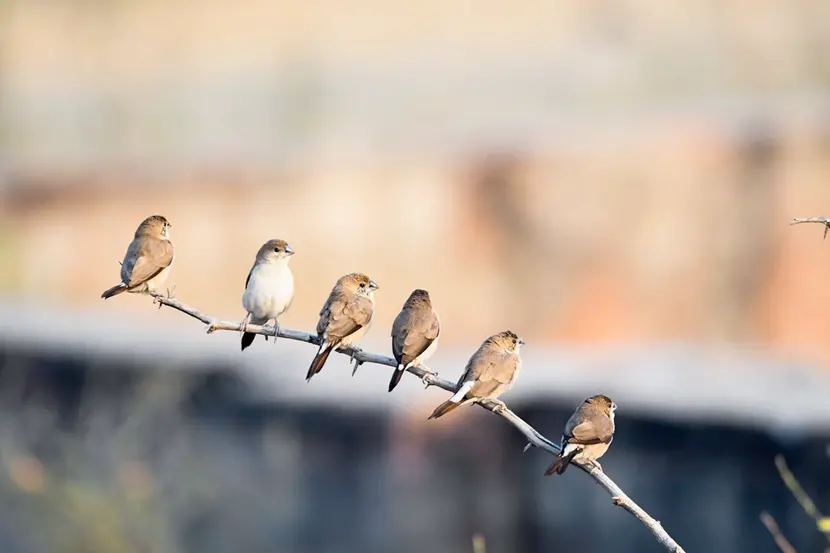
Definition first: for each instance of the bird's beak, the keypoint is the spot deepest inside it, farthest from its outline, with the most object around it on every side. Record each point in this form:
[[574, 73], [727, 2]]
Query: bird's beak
[[289, 250], [373, 285], [521, 342]]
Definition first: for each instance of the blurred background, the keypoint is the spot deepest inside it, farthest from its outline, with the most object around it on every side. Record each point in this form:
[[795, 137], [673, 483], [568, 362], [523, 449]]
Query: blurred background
[[612, 180]]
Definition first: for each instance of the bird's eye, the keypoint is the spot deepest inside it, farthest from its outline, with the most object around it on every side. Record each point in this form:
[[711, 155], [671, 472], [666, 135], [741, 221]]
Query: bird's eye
[[514, 340], [363, 285], [277, 250]]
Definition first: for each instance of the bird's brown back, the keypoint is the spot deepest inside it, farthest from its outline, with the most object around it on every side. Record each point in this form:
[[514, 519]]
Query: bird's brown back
[[492, 368], [415, 328], [590, 424], [146, 257], [344, 313]]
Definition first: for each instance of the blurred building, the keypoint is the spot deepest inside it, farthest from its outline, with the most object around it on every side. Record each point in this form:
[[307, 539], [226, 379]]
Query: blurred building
[[119, 438]]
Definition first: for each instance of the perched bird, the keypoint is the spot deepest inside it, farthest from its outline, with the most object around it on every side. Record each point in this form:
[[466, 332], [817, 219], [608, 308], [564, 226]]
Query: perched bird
[[269, 288], [490, 372], [587, 435], [414, 334], [148, 259], [345, 317]]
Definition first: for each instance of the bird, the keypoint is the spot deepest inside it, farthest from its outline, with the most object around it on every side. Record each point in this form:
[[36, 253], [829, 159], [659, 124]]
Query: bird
[[490, 372], [345, 317], [269, 288], [148, 259], [414, 334], [588, 434]]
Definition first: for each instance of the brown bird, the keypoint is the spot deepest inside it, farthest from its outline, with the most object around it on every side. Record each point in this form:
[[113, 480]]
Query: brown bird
[[587, 435], [148, 259], [414, 334], [345, 317], [490, 372]]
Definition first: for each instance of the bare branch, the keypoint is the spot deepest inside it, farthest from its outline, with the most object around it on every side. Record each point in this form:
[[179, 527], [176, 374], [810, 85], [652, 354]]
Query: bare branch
[[823, 220], [534, 438], [780, 540]]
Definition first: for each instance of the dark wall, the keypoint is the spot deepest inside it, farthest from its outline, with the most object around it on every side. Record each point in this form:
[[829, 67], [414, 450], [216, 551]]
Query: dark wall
[[137, 459]]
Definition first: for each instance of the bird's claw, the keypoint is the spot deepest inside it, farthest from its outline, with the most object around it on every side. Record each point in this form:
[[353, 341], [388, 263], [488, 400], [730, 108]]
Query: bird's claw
[[500, 406], [243, 327], [211, 328], [429, 379], [353, 360], [595, 464], [528, 446], [157, 298]]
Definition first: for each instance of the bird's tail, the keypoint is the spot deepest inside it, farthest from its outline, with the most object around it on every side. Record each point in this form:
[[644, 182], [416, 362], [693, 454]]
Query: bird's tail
[[561, 463], [114, 291], [248, 339], [396, 376], [319, 360], [443, 409], [458, 399]]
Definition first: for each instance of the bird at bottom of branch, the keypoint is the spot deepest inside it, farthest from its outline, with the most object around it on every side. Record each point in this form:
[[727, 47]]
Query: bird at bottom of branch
[[587, 435]]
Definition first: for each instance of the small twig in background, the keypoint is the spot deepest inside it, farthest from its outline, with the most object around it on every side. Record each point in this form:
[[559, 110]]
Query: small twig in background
[[780, 540], [823, 220], [792, 483]]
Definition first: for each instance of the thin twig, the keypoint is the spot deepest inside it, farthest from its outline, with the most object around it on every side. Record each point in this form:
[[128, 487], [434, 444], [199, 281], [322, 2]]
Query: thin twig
[[801, 496], [780, 540], [823, 220], [430, 379]]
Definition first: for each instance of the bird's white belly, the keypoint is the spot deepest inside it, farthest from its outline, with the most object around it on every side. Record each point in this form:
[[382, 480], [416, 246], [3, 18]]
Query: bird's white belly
[[154, 283], [269, 292], [426, 354], [160, 278]]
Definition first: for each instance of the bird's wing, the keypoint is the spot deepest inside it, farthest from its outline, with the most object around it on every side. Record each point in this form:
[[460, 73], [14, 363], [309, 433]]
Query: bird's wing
[[413, 332], [399, 333], [595, 430], [247, 280], [502, 368], [345, 316], [360, 310], [146, 258], [495, 371], [326, 313]]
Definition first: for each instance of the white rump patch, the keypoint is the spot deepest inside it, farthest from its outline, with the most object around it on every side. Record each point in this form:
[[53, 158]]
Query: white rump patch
[[459, 395]]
